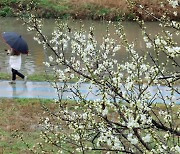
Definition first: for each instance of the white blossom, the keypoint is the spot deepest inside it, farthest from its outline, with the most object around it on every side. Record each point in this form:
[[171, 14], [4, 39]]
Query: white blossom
[[105, 111], [175, 13], [118, 47], [124, 87], [131, 139], [132, 123], [157, 41], [147, 138], [148, 45], [173, 3], [177, 148], [47, 64], [145, 38], [51, 59]]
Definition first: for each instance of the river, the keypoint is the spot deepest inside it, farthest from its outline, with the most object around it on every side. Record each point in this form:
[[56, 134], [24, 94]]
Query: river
[[33, 63]]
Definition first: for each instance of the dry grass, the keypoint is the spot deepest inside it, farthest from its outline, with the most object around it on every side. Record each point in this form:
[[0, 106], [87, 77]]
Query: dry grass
[[21, 115], [113, 3], [119, 7], [109, 3], [24, 114]]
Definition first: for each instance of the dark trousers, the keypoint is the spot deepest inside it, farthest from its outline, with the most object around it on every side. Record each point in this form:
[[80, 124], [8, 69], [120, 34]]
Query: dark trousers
[[14, 73]]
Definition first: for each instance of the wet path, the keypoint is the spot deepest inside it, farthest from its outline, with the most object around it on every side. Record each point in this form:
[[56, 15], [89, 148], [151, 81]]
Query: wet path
[[37, 90], [28, 90], [44, 90]]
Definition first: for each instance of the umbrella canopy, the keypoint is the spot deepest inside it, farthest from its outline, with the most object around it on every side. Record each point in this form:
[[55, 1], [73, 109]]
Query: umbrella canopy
[[15, 41]]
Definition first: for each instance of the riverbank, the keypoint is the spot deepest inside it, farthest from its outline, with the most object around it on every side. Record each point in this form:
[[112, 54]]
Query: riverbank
[[88, 9]]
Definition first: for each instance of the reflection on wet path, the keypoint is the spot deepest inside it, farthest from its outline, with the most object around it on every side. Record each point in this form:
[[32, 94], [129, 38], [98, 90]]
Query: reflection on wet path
[[45, 91]]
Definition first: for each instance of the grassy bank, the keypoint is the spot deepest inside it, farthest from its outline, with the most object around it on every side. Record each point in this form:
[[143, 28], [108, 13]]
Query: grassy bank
[[34, 77], [85, 9], [24, 115]]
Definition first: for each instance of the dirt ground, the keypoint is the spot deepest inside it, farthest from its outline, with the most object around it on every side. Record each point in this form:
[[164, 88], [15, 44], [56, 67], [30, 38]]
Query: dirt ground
[[20, 117], [23, 115]]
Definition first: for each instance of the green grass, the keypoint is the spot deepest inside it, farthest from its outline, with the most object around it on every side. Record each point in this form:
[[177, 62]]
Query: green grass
[[14, 145], [25, 101], [35, 77], [20, 114], [6, 11], [5, 76], [40, 77], [46, 8]]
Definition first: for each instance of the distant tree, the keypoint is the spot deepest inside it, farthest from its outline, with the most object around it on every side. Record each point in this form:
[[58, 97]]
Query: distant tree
[[126, 117]]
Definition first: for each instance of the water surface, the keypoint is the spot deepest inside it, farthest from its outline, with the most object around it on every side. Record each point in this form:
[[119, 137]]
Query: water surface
[[33, 63]]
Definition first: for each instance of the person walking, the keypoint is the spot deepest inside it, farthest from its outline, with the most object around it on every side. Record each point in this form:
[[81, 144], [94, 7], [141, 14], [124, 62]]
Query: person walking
[[15, 64], [18, 46]]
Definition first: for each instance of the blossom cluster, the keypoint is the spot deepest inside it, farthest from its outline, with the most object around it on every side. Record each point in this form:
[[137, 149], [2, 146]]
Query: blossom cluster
[[124, 114]]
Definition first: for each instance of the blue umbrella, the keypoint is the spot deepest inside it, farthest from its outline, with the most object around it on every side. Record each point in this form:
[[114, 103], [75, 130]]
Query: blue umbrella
[[15, 41]]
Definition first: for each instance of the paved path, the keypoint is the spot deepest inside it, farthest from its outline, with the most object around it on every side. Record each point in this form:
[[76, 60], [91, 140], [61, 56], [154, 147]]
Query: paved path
[[46, 91], [28, 90], [36, 90]]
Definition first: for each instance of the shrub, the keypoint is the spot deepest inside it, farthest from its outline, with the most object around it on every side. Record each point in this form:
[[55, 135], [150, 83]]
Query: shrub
[[119, 113]]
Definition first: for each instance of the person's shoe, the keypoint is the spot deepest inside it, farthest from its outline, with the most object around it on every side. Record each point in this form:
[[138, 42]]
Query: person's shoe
[[25, 79], [12, 82]]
